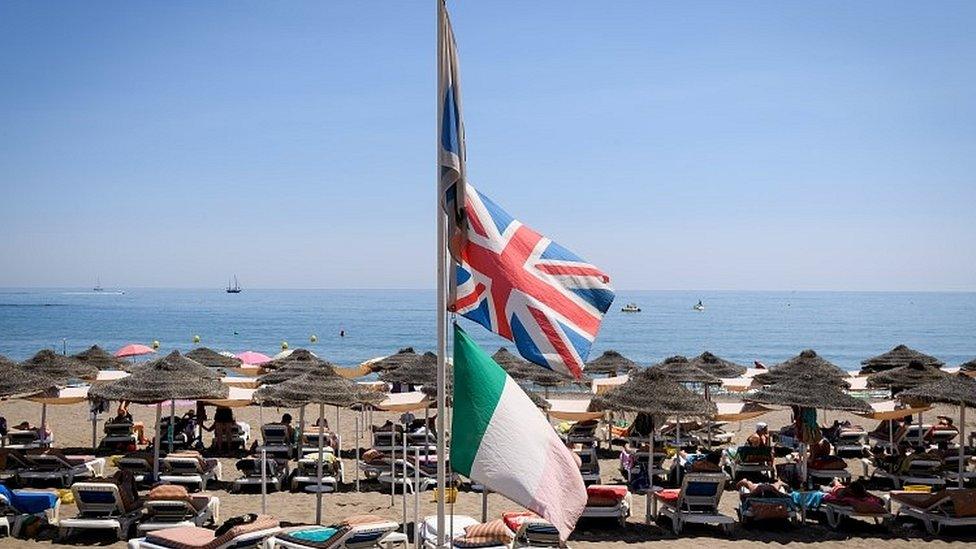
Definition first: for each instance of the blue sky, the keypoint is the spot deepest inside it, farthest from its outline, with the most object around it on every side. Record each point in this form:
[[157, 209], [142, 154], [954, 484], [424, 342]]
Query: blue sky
[[708, 145]]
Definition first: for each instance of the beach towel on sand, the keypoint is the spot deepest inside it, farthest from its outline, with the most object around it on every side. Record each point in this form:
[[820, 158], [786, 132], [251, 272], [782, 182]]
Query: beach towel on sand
[[503, 441]]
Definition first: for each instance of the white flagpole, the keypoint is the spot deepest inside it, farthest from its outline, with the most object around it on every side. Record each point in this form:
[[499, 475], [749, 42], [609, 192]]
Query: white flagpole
[[441, 298]]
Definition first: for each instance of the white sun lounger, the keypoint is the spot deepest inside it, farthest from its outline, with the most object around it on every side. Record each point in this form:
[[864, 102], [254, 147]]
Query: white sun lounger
[[934, 509], [188, 537], [455, 529], [697, 502], [189, 470], [365, 536], [48, 467], [620, 511], [13, 518], [196, 510], [25, 440], [100, 507], [306, 473]]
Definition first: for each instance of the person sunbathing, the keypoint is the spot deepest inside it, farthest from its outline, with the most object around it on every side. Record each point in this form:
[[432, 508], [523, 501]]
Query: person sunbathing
[[749, 489], [855, 495]]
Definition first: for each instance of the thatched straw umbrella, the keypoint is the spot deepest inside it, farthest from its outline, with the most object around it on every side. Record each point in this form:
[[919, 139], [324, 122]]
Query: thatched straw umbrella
[[319, 387], [959, 390], [100, 358], [806, 362], [682, 370], [514, 365], [901, 355], [809, 390], [17, 382], [394, 361], [654, 393], [169, 378], [212, 359], [718, 367], [912, 375], [60, 367], [610, 363]]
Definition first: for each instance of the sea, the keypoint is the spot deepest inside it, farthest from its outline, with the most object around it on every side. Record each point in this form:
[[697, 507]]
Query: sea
[[350, 326]]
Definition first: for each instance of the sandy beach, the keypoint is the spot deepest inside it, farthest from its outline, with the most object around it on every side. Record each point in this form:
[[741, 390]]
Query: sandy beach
[[72, 429]]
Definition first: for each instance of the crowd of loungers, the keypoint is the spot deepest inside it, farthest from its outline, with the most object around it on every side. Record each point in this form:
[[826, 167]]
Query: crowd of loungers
[[692, 467]]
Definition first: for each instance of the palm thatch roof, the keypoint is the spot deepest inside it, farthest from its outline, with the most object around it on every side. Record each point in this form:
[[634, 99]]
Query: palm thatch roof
[[680, 369], [809, 390], [212, 359], [317, 387], [514, 365], [100, 358], [59, 367], [297, 368], [16, 381], [955, 389], [653, 392], [421, 371], [170, 377], [186, 365], [394, 361], [718, 367], [901, 355], [912, 375], [611, 363], [806, 361]]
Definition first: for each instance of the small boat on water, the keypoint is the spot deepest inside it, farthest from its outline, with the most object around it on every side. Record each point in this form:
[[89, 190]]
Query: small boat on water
[[699, 306], [98, 286], [234, 288], [630, 308]]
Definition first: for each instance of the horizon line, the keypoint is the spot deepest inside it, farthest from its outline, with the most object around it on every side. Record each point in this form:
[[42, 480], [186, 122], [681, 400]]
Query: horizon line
[[112, 289]]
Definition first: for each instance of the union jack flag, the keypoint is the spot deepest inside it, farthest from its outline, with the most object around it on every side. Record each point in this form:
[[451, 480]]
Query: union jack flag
[[528, 289]]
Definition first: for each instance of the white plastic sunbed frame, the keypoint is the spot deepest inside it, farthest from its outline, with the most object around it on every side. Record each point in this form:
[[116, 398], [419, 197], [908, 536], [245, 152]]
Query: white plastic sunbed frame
[[933, 521], [835, 512], [381, 534], [187, 471], [48, 467], [162, 514], [99, 516], [680, 512], [620, 511], [12, 520], [250, 539]]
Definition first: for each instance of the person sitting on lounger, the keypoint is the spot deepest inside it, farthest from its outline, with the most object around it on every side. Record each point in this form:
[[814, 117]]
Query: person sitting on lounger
[[821, 456], [761, 437], [122, 417], [43, 433], [223, 429]]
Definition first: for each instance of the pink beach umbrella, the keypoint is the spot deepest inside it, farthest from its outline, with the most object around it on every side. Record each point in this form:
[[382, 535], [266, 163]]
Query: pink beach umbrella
[[133, 349], [253, 358]]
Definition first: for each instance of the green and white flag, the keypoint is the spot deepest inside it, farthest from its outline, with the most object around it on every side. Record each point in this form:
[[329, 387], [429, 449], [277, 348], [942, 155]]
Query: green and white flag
[[500, 439]]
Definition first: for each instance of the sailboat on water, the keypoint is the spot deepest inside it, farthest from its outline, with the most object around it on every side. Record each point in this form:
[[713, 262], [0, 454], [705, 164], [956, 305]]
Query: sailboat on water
[[98, 286], [234, 288]]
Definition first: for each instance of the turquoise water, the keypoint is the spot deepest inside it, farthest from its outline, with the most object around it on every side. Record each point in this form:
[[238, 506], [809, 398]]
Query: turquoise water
[[742, 326]]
